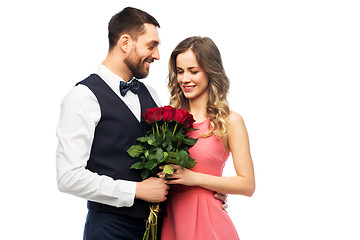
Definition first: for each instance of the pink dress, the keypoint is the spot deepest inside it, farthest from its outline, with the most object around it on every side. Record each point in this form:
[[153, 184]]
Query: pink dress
[[192, 212]]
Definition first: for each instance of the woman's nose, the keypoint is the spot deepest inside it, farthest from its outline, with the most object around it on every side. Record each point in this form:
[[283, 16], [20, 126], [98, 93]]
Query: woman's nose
[[185, 78]]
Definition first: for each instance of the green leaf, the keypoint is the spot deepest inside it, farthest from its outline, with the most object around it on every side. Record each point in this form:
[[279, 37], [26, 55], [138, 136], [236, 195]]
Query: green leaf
[[171, 160], [192, 129], [168, 169], [135, 150], [158, 140], [167, 140], [182, 157], [145, 173], [190, 164], [169, 147], [151, 164], [190, 141], [178, 137], [143, 139], [164, 158], [157, 154], [137, 165], [172, 154], [151, 140]]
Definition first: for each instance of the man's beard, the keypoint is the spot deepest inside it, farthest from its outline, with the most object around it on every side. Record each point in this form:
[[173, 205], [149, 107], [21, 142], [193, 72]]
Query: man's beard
[[136, 66]]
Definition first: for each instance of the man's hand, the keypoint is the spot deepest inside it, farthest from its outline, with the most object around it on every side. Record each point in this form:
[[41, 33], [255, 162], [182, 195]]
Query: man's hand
[[152, 190], [223, 198]]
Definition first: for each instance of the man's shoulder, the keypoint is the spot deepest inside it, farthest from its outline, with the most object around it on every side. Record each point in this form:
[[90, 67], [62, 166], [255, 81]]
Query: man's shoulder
[[91, 79], [79, 92]]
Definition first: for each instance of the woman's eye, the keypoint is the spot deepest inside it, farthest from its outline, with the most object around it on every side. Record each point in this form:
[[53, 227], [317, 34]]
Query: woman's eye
[[179, 71], [194, 72]]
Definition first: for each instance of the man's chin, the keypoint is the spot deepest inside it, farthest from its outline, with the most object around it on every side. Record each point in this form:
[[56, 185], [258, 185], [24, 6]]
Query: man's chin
[[141, 76]]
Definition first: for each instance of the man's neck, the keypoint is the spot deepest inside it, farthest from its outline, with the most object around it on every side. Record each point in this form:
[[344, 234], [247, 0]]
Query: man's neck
[[118, 67]]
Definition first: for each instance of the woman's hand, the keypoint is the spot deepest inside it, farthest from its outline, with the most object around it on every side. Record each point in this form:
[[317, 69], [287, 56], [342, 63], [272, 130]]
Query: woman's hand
[[187, 177], [181, 175]]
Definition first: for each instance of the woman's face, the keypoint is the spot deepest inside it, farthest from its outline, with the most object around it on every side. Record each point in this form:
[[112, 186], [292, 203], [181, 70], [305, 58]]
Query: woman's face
[[191, 78]]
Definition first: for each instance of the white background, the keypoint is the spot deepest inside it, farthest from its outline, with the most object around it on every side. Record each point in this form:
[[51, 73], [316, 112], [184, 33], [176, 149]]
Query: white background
[[294, 68]]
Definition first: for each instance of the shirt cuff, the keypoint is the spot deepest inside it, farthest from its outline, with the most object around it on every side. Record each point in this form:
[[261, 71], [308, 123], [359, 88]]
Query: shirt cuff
[[126, 190]]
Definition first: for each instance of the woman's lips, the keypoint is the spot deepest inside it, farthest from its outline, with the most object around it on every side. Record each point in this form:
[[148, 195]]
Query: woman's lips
[[188, 88]]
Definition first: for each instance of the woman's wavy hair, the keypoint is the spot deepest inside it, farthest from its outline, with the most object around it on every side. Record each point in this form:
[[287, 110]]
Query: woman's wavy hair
[[209, 59]]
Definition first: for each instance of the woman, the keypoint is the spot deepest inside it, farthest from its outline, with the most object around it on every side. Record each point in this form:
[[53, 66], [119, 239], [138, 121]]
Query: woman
[[198, 83]]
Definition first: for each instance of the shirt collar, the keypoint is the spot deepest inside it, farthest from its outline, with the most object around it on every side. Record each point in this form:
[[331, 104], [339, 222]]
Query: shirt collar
[[103, 71]]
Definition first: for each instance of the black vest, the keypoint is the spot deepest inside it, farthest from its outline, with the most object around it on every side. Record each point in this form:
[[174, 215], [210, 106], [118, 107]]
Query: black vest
[[116, 132]]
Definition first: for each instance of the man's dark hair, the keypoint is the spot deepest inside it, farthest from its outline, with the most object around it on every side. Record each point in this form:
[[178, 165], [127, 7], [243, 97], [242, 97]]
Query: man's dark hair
[[129, 21]]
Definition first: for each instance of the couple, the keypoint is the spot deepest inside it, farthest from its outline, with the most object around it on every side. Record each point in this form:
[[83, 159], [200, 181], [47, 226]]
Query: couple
[[101, 118]]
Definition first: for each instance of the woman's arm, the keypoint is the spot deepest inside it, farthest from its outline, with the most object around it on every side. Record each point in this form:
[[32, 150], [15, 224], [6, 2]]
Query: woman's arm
[[238, 144]]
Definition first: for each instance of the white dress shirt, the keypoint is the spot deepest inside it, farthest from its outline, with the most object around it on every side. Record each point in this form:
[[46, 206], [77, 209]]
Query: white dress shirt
[[79, 115]]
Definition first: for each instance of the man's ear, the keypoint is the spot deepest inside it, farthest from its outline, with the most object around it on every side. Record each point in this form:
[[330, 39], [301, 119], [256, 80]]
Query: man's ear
[[124, 42]]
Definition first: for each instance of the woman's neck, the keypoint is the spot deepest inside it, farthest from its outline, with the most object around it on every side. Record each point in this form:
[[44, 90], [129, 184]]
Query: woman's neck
[[198, 109]]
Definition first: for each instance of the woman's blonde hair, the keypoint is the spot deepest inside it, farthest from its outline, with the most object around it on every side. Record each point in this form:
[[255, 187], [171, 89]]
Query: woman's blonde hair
[[209, 59]]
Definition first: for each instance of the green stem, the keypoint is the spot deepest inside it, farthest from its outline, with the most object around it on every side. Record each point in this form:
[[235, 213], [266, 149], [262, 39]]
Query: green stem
[[151, 223], [174, 129], [163, 130]]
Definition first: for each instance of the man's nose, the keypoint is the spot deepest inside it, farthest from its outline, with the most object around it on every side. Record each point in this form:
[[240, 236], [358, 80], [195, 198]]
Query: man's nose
[[156, 54]]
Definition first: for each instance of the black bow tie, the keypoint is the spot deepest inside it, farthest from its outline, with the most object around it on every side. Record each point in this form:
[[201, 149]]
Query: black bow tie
[[133, 86]]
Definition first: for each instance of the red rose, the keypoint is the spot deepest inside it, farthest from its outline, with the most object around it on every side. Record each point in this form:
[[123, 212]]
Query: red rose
[[153, 114], [181, 115], [168, 113], [189, 121]]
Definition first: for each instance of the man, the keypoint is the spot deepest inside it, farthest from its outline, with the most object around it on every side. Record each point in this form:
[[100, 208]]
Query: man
[[100, 119]]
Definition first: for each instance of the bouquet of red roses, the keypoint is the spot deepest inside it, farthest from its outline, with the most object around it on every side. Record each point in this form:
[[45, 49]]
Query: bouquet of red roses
[[165, 143]]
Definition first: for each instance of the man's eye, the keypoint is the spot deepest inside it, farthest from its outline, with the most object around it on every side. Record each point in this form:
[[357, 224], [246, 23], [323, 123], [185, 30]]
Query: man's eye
[[151, 47]]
